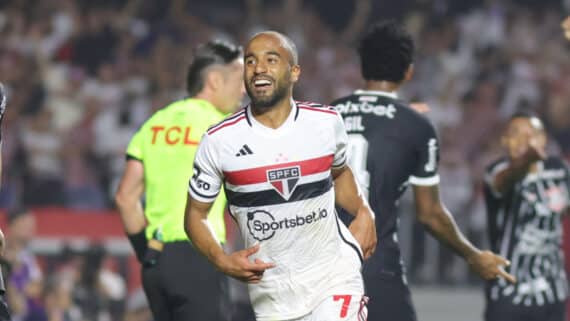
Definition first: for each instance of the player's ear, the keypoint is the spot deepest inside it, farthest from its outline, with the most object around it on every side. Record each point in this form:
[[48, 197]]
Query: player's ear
[[409, 73], [214, 79], [295, 73]]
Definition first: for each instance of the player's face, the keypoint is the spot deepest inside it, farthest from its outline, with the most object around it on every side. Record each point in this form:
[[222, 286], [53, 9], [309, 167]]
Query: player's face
[[269, 74], [232, 87], [520, 133]]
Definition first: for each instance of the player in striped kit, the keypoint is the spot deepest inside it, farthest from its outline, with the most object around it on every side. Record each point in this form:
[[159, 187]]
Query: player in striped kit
[[526, 195]]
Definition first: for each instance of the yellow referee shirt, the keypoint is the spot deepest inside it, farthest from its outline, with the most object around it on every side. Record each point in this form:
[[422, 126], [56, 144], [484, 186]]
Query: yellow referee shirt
[[166, 145]]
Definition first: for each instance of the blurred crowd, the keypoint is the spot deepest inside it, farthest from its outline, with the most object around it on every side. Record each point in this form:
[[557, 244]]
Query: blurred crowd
[[74, 285], [83, 75]]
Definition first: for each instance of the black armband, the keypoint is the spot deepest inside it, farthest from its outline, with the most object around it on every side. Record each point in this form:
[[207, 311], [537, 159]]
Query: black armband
[[139, 243]]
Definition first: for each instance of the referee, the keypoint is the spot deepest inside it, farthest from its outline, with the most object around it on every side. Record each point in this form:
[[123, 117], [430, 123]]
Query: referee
[[179, 282]]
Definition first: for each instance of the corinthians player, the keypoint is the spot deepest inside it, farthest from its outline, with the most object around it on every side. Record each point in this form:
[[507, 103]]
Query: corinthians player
[[392, 146], [282, 163]]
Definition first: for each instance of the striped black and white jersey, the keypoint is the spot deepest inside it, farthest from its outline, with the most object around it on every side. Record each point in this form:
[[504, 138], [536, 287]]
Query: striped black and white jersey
[[525, 227], [280, 192], [391, 146]]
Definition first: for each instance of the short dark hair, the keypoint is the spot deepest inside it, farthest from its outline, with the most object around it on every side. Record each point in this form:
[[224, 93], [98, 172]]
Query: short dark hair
[[523, 114], [386, 52], [211, 53], [526, 114]]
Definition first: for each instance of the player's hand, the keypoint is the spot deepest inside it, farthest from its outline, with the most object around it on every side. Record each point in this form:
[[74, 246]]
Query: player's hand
[[536, 152], [490, 266], [239, 266], [566, 27], [420, 107], [363, 228], [528, 154]]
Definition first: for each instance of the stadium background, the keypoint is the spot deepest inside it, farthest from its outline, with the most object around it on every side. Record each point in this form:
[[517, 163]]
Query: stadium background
[[83, 75]]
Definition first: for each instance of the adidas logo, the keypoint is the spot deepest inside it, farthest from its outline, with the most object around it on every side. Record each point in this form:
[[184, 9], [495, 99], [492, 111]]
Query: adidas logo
[[244, 150]]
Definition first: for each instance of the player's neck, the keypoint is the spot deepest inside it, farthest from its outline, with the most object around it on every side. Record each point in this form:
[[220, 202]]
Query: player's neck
[[382, 85], [275, 116], [207, 96]]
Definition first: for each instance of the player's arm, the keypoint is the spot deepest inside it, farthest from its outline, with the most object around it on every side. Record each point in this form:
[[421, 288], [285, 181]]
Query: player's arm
[[350, 197], [237, 264], [503, 178], [440, 223], [128, 200], [437, 219], [204, 187]]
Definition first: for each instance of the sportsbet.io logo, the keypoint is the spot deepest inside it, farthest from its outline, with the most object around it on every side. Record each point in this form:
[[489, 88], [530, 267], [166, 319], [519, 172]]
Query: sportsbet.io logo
[[262, 225]]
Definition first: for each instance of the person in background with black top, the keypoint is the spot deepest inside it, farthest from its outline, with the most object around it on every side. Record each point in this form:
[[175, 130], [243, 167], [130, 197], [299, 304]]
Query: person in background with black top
[[392, 146], [4, 313], [526, 194]]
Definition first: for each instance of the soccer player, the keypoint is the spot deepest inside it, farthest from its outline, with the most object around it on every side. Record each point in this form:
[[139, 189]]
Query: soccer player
[[178, 281], [4, 313], [526, 194], [392, 146], [279, 159]]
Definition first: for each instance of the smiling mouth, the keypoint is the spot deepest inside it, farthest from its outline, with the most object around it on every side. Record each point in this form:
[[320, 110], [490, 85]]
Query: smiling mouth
[[262, 84]]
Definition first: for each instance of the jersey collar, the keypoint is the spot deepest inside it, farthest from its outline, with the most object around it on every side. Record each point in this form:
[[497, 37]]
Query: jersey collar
[[267, 131], [393, 94]]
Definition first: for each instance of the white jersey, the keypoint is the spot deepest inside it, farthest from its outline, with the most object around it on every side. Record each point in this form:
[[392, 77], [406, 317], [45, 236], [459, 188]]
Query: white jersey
[[280, 192]]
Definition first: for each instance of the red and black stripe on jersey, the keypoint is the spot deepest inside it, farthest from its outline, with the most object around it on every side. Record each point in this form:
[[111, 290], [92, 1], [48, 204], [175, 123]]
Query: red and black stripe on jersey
[[270, 196], [233, 119]]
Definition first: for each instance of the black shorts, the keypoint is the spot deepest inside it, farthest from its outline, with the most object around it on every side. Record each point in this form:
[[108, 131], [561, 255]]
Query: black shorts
[[504, 310], [390, 297], [184, 285]]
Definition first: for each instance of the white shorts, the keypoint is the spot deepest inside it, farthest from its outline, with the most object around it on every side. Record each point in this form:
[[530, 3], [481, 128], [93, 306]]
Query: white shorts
[[339, 308]]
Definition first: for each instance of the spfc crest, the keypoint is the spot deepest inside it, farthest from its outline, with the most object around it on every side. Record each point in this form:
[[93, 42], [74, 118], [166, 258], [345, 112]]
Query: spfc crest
[[284, 180]]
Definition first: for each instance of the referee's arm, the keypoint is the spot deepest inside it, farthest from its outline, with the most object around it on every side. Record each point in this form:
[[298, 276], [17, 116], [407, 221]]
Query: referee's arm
[[128, 200]]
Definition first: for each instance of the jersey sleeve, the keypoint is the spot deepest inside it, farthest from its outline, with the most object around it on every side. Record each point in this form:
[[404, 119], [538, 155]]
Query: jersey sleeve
[[489, 179], [135, 148], [493, 199], [341, 141], [207, 179], [427, 151]]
